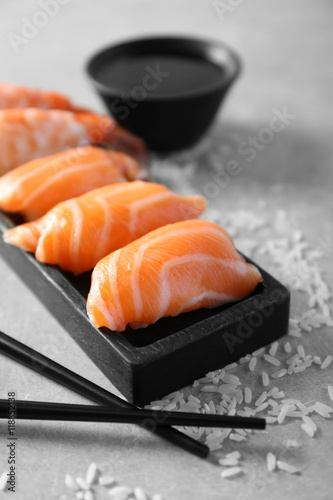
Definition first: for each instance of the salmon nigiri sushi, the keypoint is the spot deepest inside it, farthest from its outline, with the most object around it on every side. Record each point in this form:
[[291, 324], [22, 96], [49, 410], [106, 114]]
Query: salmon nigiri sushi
[[174, 269], [77, 233], [37, 186]]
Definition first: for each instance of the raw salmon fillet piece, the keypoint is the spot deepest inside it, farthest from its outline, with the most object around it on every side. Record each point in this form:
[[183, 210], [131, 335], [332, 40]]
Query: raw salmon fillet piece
[[174, 269], [77, 233], [37, 186]]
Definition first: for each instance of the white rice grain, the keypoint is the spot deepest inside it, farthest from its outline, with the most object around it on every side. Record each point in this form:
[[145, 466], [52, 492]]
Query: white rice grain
[[232, 472], [210, 388], [120, 492], [252, 364], [231, 366], [272, 360], [107, 481], [233, 454], [330, 391], [327, 361], [271, 462], [322, 409], [261, 407], [261, 399], [308, 421], [317, 360], [287, 347], [228, 462], [265, 379], [258, 351], [287, 467], [92, 474], [283, 413], [88, 495], [279, 373], [309, 431], [236, 437], [71, 483], [300, 350], [273, 348], [271, 420], [239, 396], [82, 483], [139, 494], [248, 395]]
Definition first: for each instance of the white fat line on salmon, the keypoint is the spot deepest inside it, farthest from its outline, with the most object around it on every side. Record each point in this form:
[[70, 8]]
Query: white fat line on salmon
[[220, 297], [113, 275], [165, 295], [110, 193], [76, 232], [100, 305], [103, 240], [60, 163], [58, 176], [136, 293], [150, 199]]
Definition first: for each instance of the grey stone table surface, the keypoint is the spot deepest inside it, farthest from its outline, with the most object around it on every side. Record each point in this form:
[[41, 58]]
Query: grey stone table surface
[[286, 48]]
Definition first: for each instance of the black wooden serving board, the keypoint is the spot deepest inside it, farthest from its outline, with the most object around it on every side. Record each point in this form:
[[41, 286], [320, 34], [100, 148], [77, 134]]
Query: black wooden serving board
[[149, 363]]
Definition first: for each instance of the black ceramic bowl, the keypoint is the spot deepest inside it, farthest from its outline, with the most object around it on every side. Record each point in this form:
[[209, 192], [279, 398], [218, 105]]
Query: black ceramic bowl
[[166, 90]]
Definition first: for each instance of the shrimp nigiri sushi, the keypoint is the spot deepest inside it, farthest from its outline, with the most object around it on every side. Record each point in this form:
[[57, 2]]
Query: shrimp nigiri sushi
[[174, 269], [36, 187], [77, 233], [17, 96], [26, 134]]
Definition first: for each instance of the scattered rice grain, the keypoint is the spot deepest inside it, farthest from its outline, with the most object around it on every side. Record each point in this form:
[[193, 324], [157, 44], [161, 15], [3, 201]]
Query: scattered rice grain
[[330, 391], [252, 364], [287, 347], [287, 467], [261, 399], [70, 482], [92, 474], [232, 472], [248, 395], [279, 373], [228, 462], [139, 494], [283, 413], [272, 360], [236, 437], [107, 481], [271, 462], [233, 454], [327, 361], [265, 379], [231, 366], [258, 351], [273, 348], [309, 431], [82, 483]]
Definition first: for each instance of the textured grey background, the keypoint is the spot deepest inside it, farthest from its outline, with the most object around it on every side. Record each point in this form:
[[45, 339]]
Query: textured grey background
[[286, 48]]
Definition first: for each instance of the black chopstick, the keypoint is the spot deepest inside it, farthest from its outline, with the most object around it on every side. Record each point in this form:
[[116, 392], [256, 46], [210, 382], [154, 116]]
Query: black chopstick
[[35, 410], [54, 371]]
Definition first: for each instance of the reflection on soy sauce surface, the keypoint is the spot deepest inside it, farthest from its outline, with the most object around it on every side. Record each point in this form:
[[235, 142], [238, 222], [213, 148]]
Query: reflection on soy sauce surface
[[161, 74]]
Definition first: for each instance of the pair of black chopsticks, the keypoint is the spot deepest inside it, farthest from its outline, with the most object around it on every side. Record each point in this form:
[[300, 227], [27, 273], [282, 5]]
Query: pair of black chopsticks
[[112, 409]]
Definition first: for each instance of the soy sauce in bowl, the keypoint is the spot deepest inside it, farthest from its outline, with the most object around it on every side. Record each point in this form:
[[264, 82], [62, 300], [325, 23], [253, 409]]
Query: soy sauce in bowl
[[166, 90]]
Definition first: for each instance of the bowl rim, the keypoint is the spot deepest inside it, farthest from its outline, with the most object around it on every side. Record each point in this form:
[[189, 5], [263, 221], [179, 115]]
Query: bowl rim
[[208, 48]]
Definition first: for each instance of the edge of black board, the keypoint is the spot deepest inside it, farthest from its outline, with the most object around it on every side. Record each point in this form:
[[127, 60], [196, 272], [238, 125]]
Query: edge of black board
[[149, 363]]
